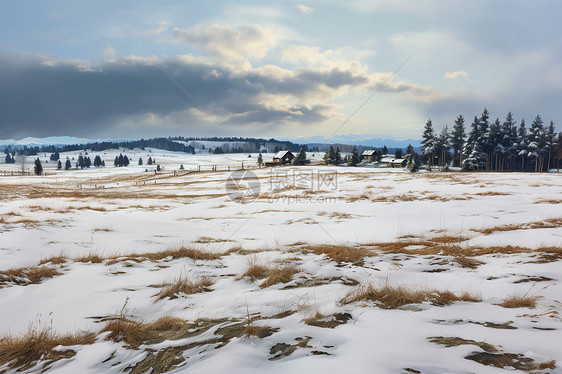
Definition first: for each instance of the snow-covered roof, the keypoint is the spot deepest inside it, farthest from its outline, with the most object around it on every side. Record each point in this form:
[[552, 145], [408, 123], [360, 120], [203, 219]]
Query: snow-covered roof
[[368, 152], [392, 160], [281, 154]]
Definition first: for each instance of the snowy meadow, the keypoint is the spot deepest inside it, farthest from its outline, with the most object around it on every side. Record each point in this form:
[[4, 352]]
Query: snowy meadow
[[288, 269]]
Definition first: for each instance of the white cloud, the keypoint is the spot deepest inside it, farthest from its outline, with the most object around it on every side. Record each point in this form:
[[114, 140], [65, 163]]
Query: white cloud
[[163, 26], [456, 74], [227, 42], [305, 9]]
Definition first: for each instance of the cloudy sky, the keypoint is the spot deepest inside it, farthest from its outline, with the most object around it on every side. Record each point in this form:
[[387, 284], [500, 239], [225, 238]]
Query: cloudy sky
[[135, 68]]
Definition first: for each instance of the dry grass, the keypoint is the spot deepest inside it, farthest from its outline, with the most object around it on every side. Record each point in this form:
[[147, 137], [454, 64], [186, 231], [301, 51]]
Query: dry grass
[[549, 201], [492, 193], [182, 252], [92, 257], [257, 331], [55, 260], [339, 253], [135, 333], [388, 297], [520, 302], [281, 274], [256, 271], [24, 352], [183, 285], [25, 276], [550, 223]]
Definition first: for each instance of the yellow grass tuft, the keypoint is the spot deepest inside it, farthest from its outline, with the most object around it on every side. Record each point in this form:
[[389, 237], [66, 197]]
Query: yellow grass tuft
[[25, 351], [388, 297], [520, 302], [183, 285], [29, 275], [340, 253], [135, 333], [281, 274]]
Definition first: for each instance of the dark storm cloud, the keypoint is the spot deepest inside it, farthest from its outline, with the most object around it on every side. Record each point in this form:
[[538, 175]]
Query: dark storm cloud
[[44, 98]]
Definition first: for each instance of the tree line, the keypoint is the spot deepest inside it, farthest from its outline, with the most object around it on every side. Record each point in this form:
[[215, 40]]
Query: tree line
[[493, 145]]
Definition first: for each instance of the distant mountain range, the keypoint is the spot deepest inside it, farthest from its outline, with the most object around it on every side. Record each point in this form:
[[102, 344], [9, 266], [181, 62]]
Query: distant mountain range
[[359, 140]]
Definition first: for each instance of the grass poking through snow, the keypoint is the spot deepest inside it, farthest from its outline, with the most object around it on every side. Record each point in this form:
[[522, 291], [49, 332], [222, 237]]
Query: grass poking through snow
[[389, 297]]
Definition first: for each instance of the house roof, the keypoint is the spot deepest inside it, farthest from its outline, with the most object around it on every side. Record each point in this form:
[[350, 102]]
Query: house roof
[[368, 152], [282, 154]]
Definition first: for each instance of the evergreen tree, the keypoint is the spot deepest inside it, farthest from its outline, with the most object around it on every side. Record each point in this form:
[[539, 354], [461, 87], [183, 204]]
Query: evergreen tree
[[428, 142], [354, 159], [67, 164], [87, 162], [458, 136], [97, 161], [536, 142], [496, 147], [508, 142], [260, 160], [158, 168], [337, 157], [149, 162], [301, 158], [551, 143], [522, 142], [330, 156], [442, 146], [409, 149], [38, 168], [120, 160], [398, 153], [59, 165], [125, 160], [140, 161], [81, 163], [385, 150], [181, 167], [116, 161], [469, 161]]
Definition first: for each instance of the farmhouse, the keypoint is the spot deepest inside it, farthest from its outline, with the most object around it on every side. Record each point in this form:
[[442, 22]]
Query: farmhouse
[[392, 162], [369, 155], [281, 158]]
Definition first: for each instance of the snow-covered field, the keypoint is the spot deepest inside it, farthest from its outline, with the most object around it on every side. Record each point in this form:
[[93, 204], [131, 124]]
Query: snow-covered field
[[327, 270]]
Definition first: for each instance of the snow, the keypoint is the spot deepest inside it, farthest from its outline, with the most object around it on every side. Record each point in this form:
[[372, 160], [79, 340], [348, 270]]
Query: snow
[[117, 211]]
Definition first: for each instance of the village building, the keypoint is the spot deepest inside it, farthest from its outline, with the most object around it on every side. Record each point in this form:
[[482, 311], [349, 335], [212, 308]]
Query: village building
[[281, 158]]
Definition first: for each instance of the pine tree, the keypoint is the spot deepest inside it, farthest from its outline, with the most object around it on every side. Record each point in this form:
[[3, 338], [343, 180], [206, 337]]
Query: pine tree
[[458, 136], [140, 161], [125, 160], [428, 142], [149, 162], [551, 142], [330, 156], [522, 142], [337, 157], [443, 146], [116, 161], [469, 161], [158, 168], [536, 142], [59, 165], [301, 158], [181, 167], [120, 160], [81, 163], [38, 168], [496, 148], [260, 160], [97, 161], [67, 164], [354, 159], [87, 162]]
